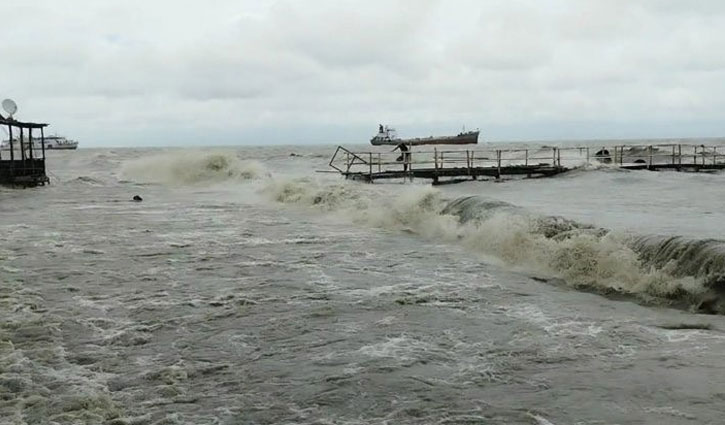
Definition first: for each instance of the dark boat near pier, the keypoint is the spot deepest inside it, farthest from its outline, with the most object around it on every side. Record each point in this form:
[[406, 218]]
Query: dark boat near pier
[[387, 137]]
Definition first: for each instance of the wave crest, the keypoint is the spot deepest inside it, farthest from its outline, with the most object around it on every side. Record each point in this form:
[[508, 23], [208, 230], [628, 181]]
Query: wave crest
[[655, 270], [189, 168]]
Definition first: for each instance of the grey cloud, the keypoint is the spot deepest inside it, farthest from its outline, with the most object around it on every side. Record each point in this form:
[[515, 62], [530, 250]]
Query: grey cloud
[[350, 64]]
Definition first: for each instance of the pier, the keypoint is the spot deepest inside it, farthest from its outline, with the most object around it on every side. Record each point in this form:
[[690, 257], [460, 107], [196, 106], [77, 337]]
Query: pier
[[455, 165], [22, 164]]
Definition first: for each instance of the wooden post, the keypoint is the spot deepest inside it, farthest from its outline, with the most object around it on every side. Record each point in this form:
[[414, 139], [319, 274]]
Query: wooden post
[[558, 157], [526, 157], [42, 141], [649, 164], [347, 161], [22, 144], [553, 158], [379, 166], [468, 161], [588, 154], [30, 147], [679, 157], [12, 149], [673, 154]]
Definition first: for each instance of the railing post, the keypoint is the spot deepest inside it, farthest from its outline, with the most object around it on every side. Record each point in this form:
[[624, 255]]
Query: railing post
[[588, 155], [679, 157], [558, 157], [621, 155], [673, 155], [526, 157], [370, 163], [649, 149], [435, 159], [473, 155], [468, 161], [498, 160], [694, 157], [553, 158]]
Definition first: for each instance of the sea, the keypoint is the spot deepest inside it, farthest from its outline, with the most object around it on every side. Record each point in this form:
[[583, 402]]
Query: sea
[[249, 288]]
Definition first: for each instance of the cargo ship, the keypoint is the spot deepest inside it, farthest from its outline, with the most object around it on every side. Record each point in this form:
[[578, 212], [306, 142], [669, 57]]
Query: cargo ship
[[387, 137]]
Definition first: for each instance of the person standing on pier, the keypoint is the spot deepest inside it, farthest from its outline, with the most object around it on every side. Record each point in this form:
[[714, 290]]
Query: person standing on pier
[[404, 155]]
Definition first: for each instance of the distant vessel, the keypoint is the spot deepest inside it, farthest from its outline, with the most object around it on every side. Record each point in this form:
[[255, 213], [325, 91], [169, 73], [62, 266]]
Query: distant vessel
[[51, 142], [387, 137]]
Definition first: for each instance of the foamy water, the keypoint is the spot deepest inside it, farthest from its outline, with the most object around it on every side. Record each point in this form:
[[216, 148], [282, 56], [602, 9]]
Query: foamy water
[[246, 288]]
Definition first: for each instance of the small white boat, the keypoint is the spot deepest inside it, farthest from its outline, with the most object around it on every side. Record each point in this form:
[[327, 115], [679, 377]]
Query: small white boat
[[51, 143]]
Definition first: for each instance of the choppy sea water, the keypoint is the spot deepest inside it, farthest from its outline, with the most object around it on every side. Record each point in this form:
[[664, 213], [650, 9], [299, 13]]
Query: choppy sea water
[[248, 289]]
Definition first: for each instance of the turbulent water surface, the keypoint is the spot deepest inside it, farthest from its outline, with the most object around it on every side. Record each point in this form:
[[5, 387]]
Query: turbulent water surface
[[246, 288]]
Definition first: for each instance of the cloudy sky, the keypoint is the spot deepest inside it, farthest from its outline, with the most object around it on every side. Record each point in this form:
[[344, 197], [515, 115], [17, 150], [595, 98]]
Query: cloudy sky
[[162, 72]]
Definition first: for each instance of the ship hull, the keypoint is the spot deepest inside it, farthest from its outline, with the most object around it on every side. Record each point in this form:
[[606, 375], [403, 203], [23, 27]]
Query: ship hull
[[38, 148], [57, 148], [470, 138]]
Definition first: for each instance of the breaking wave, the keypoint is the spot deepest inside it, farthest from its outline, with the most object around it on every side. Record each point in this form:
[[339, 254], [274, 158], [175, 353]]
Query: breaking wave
[[189, 168], [672, 271]]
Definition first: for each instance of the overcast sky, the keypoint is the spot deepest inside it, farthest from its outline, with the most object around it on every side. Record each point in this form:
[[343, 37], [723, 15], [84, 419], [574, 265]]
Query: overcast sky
[[157, 72]]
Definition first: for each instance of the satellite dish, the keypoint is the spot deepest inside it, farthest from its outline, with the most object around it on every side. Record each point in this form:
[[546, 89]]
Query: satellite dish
[[10, 107]]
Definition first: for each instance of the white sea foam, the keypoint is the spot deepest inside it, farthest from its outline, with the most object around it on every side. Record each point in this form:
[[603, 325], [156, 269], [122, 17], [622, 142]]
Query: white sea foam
[[581, 255], [191, 168]]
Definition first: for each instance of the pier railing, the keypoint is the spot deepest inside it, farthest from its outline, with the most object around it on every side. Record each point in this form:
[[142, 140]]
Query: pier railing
[[380, 162]]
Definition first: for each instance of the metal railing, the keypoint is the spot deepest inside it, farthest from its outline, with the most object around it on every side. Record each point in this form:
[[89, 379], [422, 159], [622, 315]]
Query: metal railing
[[627, 156]]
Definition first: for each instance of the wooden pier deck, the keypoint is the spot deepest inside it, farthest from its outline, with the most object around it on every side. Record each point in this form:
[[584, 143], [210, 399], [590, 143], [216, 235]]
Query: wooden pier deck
[[446, 166]]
